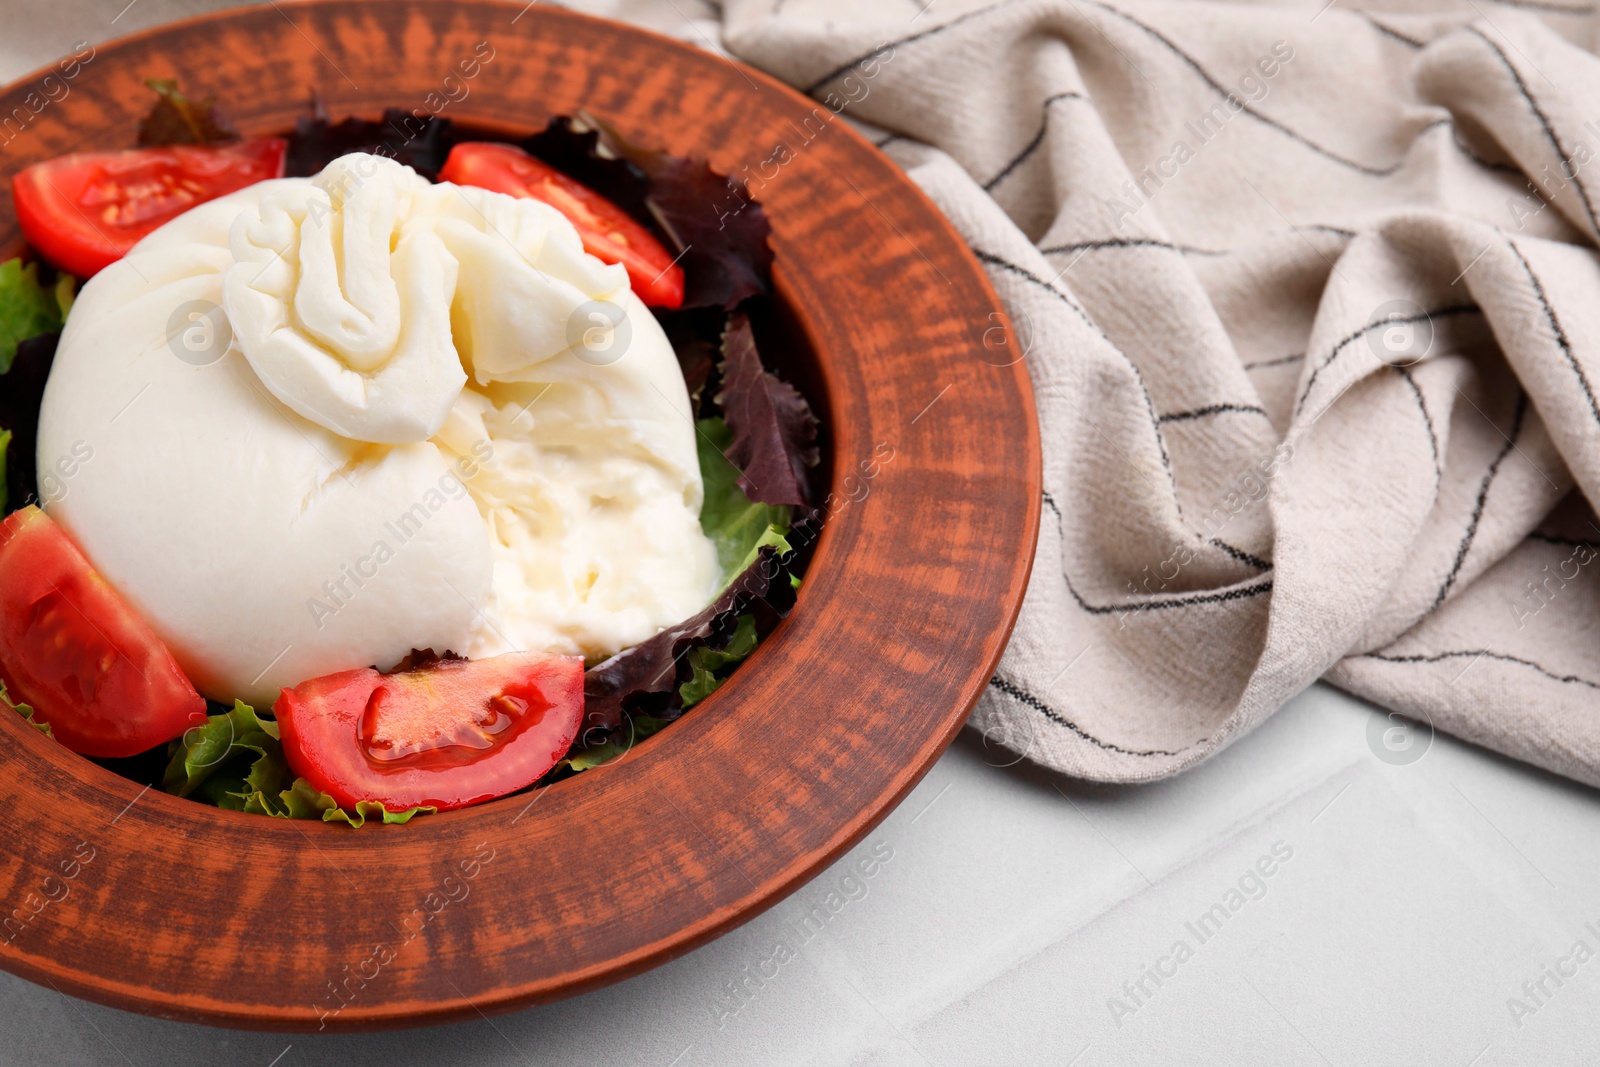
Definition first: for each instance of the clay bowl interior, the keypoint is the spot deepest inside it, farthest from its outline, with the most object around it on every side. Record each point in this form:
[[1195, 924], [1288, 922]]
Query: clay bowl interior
[[190, 912]]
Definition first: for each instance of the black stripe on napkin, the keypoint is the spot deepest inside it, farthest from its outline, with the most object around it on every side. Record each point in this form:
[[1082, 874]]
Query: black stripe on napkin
[[1032, 146], [1016, 692], [1482, 653], [1483, 499]]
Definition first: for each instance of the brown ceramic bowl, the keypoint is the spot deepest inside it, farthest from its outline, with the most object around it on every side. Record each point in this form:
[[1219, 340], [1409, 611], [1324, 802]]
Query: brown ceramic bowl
[[186, 911]]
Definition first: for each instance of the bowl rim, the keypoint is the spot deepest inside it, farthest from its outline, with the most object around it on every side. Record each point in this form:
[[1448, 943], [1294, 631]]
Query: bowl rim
[[160, 808]]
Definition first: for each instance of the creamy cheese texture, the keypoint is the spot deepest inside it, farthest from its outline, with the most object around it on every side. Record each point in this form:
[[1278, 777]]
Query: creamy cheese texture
[[334, 419]]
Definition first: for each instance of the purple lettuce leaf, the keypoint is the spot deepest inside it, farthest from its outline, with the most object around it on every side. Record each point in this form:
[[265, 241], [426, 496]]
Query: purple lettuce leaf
[[21, 393], [179, 119], [774, 431], [644, 679], [420, 143], [719, 234]]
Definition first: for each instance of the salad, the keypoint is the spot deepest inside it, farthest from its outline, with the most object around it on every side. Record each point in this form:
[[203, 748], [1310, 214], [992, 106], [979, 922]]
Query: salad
[[390, 466]]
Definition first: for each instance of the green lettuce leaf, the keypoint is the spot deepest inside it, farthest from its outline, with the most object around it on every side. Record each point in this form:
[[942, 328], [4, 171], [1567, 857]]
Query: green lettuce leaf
[[28, 308], [710, 667], [25, 710], [736, 525], [302, 800], [235, 761], [250, 764], [586, 758], [226, 746], [583, 759]]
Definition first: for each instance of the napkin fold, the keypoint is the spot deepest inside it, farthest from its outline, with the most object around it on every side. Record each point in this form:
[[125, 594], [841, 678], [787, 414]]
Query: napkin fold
[[1311, 306]]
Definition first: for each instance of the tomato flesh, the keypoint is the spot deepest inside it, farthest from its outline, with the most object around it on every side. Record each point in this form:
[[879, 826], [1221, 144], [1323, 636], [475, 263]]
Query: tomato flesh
[[71, 647], [609, 233], [84, 211], [447, 735]]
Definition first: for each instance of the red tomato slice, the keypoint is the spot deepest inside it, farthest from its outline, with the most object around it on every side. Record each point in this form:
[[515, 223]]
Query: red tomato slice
[[608, 232], [84, 211], [450, 734], [71, 647]]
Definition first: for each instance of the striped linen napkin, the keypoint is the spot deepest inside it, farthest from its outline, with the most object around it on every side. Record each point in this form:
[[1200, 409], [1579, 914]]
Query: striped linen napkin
[[1312, 310]]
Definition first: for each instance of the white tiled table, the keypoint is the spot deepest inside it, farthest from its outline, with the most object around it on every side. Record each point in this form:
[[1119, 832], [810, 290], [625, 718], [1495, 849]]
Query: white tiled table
[[1015, 918]]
